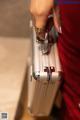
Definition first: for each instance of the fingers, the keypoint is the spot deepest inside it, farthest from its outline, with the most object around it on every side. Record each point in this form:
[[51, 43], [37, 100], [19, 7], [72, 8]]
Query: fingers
[[57, 19]]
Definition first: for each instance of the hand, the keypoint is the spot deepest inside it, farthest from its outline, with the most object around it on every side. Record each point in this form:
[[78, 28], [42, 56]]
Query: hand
[[40, 9]]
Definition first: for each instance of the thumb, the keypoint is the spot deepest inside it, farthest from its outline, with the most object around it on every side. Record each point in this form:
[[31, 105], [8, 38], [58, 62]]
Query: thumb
[[56, 19]]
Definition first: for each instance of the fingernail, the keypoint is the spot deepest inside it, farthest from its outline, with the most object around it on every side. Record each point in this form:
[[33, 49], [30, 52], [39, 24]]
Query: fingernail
[[60, 30]]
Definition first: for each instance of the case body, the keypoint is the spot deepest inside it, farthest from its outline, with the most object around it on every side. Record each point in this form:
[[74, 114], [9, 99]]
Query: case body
[[44, 78]]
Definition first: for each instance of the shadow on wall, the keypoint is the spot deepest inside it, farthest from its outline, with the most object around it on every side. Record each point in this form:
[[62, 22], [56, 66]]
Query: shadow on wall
[[14, 18], [22, 105]]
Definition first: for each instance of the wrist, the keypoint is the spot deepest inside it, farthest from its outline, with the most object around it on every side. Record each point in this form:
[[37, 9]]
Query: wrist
[[40, 33]]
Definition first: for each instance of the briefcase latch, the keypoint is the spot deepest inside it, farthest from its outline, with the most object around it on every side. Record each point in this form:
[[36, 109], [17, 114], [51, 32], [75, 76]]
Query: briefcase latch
[[49, 71]]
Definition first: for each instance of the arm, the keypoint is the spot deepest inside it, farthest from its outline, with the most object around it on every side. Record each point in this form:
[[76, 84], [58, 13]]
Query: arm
[[40, 10]]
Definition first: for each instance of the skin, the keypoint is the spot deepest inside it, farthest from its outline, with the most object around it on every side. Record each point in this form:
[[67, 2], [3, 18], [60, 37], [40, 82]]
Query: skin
[[40, 9]]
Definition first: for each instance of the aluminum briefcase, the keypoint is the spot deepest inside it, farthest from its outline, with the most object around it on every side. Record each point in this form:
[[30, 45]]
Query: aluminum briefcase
[[44, 78]]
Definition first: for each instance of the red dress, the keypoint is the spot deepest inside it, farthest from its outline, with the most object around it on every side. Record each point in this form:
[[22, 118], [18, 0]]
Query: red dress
[[69, 51]]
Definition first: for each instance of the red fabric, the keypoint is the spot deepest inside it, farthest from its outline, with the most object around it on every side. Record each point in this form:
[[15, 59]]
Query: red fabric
[[69, 51]]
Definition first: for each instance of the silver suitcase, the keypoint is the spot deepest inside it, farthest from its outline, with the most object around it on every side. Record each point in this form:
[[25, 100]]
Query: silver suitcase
[[44, 78]]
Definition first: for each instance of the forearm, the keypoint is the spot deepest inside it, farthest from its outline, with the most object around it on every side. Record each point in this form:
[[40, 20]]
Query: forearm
[[40, 10]]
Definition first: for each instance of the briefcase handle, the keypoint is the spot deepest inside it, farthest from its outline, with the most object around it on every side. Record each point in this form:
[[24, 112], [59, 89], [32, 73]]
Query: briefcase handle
[[50, 36]]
